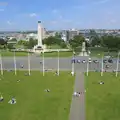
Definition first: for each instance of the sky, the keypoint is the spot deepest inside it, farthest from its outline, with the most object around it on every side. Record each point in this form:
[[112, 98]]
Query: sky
[[59, 14]]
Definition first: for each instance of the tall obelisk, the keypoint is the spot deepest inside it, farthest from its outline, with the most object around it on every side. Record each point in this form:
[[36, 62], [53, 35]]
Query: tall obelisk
[[40, 34]]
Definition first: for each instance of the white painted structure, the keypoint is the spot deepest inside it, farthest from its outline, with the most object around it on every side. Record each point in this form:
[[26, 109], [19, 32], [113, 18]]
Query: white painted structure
[[39, 47], [83, 52]]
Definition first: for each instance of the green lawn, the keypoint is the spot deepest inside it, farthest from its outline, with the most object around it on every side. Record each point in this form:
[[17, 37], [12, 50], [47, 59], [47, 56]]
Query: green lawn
[[8, 53], [102, 101], [33, 103], [55, 54], [54, 47], [49, 54], [99, 54]]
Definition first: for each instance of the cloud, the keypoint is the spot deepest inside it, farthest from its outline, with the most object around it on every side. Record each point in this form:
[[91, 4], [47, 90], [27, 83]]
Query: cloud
[[1, 10], [9, 22], [54, 11], [33, 15]]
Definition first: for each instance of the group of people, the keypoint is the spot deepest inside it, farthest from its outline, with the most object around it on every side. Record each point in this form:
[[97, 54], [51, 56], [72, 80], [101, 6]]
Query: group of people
[[77, 94], [11, 101]]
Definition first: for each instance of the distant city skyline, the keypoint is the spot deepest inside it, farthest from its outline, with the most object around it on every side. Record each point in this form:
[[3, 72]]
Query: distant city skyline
[[59, 14]]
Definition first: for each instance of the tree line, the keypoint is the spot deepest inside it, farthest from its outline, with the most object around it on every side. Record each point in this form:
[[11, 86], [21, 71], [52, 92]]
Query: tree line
[[111, 42], [52, 40]]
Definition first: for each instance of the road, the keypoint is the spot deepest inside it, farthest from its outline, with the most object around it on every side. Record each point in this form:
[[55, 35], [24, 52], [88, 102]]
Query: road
[[52, 63]]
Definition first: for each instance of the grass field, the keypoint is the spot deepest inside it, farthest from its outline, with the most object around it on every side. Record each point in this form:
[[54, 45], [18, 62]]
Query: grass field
[[99, 54], [50, 54], [102, 101], [33, 103], [8, 53], [55, 54]]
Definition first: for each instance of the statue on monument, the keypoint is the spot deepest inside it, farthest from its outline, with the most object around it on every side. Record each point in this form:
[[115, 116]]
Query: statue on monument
[[83, 51], [83, 47]]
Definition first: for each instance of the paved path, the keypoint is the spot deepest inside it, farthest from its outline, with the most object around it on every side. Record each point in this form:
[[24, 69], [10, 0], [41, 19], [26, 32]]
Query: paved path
[[77, 110]]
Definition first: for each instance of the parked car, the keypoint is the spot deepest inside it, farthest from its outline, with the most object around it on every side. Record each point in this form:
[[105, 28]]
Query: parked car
[[110, 61], [73, 61], [107, 66], [78, 61], [90, 61], [95, 61], [83, 61], [104, 61]]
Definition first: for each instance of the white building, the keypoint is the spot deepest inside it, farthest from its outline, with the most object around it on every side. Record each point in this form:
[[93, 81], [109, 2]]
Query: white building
[[64, 37], [31, 35]]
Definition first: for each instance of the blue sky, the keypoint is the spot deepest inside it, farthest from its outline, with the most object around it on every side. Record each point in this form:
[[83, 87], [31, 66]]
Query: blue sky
[[59, 14]]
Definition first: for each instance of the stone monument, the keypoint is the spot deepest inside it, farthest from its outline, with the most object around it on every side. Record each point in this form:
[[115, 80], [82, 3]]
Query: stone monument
[[39, 47], [83, 51]]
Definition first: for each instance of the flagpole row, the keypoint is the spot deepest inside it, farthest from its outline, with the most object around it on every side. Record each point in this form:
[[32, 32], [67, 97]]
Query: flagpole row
[[15, 63], [87, 67], [1, 64], [102, 67], [117, 65], [58, 63], [73, 66], [43, 64], [28, 63]]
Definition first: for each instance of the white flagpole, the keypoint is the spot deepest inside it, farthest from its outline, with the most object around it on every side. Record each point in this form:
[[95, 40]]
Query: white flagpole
[[87, 67], [117, 65], [102, 67], [15, 63], [73, 66], [1, 64], [28, 63], [58, 63], [43, 64]]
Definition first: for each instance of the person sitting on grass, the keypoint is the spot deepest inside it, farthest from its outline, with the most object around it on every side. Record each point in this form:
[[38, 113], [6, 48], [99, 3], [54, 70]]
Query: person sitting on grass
[[101, 82], [12, 101], [114, 71], [72, 73], [18, 80], [26, 74], [21, 66], [47, 90], [1, 98], [56, 73]]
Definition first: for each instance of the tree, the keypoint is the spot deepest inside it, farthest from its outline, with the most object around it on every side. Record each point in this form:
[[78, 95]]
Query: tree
[[2, 41], [10, 46], [76, 41], [31, 43], [111, 42], [58, 35], [95, 40], [63, 44], [92, 33], [21, 42], [49, 41], [52, 41]]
